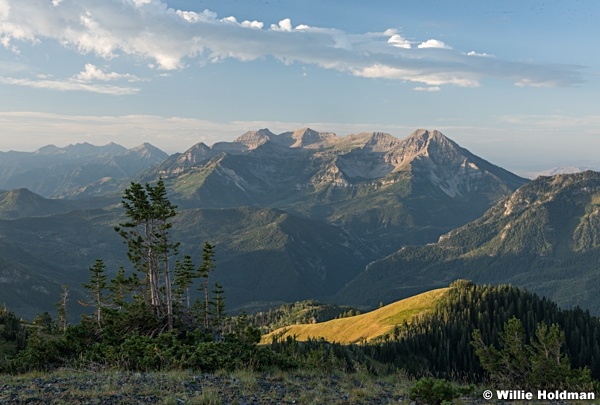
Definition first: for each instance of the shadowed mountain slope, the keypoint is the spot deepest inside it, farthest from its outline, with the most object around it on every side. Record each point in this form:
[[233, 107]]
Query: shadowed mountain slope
[[545, 237]]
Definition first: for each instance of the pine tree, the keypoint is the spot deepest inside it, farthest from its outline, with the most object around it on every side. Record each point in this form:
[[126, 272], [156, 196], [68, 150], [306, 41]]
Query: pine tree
[[538, 365], [119, 286], [163, 210], [149, 245], [96, 288], [184, 276], [218, 303], [207, 266]]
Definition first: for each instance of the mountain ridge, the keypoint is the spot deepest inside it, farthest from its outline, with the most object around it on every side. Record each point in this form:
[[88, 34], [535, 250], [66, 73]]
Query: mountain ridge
[[544, 237], [67, 172]]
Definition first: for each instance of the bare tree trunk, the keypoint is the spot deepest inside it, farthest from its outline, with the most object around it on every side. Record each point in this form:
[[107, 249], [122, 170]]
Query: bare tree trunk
[[206, 304], [168, 292]]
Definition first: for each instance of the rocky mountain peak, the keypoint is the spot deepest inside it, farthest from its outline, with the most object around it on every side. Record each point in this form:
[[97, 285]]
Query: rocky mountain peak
[[149, 151], [432, 156], [433, 146], [253, 139], [423, 140], [47, 150], [87, 149], [311, 139], [196, 153], [82, 150], [380, 142]]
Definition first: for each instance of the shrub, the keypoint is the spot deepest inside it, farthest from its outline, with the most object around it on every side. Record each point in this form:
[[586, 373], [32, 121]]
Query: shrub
[[538, 365], [437, 391]]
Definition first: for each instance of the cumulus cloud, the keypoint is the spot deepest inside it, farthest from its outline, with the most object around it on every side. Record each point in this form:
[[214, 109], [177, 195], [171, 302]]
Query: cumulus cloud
[[284, 25], [92, 72], [252, 24], [434, 43], [168, 39], [399, 41]]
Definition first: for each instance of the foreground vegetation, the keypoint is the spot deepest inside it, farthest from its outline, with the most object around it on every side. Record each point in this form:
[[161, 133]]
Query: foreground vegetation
[[186, 387]]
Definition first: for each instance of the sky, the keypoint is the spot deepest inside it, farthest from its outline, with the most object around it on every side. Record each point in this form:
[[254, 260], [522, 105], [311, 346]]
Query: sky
[[515, 82]]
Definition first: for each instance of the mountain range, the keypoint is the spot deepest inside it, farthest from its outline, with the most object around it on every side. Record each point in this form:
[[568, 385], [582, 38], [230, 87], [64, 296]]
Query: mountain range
[[76, 170], [302, 214], [385, 191]]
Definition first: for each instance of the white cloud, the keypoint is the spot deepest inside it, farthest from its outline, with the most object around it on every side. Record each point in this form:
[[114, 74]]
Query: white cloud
[[69, 85], [586, 124], [245, 23], [230, 19], [92, 72], [284, 25], [428, 89], [166, 39], [430, 78], [434, 43], [483, 55], [527, 82], [140, 3], [32, 130], [252, 24], [399, 42]]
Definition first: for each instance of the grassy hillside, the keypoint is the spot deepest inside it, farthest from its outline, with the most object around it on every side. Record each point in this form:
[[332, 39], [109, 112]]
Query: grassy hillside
[[365, 326]]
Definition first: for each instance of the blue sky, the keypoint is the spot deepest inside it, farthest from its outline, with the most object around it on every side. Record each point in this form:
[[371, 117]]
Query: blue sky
[[516, 82]]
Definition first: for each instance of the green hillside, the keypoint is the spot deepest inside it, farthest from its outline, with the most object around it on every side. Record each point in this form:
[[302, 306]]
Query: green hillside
[[545, 237]]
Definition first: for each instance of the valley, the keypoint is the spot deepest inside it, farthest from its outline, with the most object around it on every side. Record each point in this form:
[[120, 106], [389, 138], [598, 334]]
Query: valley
[[293, 216]]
